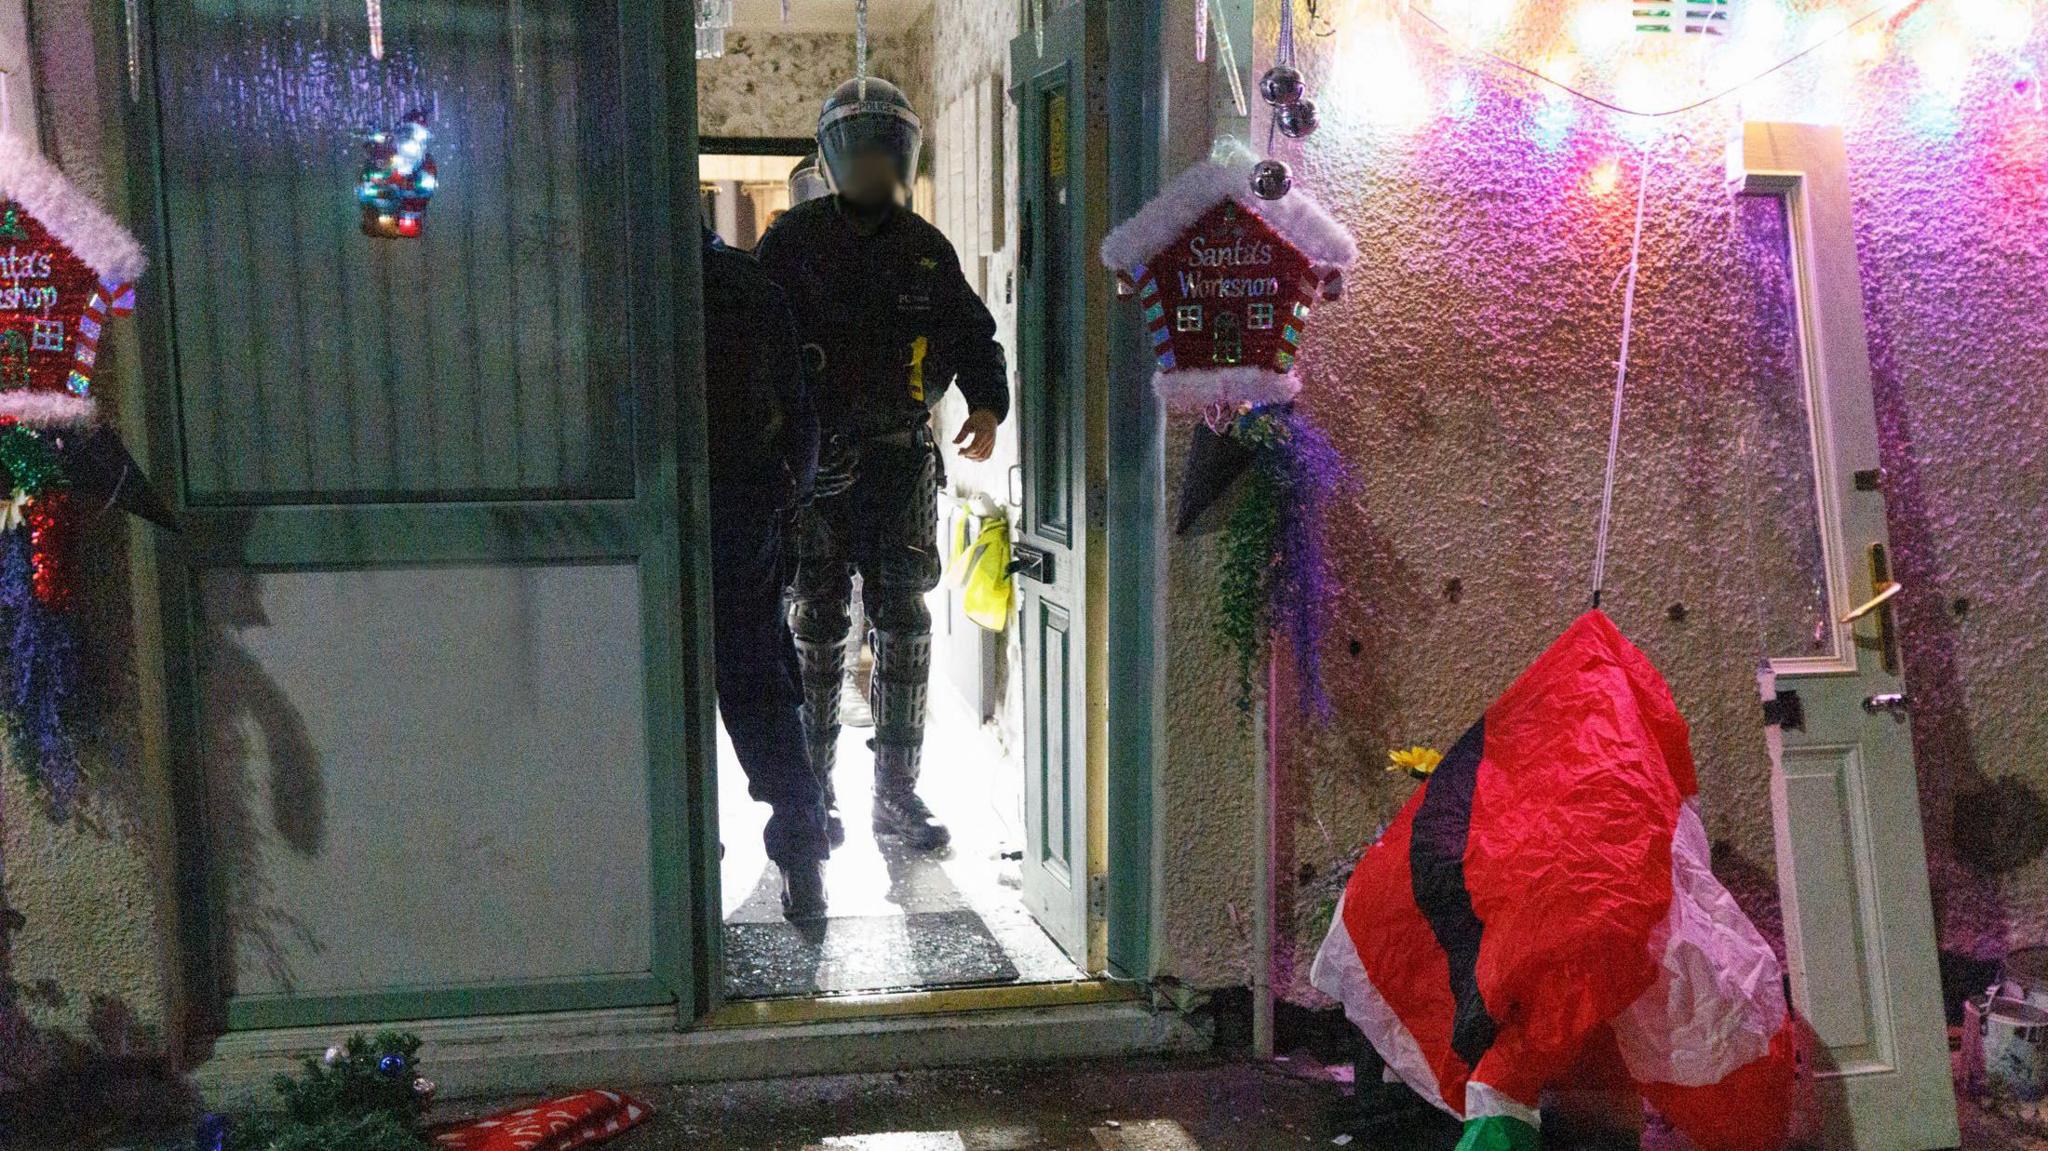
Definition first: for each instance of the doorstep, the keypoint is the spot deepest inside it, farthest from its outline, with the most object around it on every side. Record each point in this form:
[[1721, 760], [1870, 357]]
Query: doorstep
[[530, 1054]]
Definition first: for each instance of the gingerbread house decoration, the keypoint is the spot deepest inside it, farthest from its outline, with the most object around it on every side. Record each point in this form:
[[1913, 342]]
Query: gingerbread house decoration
[[65, 268], [1226, 281]]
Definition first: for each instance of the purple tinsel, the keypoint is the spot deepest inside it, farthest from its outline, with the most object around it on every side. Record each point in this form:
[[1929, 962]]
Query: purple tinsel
[[42, 674], [1310, 471]]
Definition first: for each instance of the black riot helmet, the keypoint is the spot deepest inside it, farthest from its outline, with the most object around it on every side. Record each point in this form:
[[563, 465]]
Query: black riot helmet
[[807, 180], [864, 122]]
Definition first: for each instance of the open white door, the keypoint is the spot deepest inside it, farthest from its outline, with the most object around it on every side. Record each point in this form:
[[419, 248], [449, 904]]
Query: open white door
[[1852, 867]]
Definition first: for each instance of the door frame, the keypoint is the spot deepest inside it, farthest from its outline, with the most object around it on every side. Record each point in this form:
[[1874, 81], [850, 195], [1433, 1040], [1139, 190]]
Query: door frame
[[689, 942], [657, 90], [1133, 590]]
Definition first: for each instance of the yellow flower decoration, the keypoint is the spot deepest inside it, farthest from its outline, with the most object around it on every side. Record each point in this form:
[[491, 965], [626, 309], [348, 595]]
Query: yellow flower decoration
[[1416, 761]]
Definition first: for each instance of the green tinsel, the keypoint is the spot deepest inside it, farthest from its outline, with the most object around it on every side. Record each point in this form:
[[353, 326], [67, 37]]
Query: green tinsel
[[375, 1132], [28, 461], [1249, 537], [349, 1104]]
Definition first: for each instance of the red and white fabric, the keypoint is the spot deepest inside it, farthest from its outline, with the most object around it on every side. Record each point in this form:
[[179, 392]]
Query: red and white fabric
[[560, 1124]]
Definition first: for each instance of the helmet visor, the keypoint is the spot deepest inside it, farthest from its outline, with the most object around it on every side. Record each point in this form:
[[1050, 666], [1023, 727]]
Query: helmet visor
[[807, 183], [860, 142]]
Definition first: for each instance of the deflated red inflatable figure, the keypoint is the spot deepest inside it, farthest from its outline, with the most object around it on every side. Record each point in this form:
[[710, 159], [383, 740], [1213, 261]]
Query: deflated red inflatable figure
[[1543, 906]]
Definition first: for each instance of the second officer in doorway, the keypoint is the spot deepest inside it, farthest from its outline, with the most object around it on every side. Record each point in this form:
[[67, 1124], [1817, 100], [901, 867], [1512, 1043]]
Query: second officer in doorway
[[889, 322]]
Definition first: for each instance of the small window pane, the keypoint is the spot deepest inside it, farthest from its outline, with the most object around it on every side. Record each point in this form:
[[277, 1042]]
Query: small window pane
[[427, 777]]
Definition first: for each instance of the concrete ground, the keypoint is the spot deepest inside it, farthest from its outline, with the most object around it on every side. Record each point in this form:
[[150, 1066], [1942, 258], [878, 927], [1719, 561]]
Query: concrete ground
[[1201, 1103], [1211, 1102]]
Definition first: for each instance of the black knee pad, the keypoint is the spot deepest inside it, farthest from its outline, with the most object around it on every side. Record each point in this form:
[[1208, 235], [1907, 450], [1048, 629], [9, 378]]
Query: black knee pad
[[819, 621], [898, 613]]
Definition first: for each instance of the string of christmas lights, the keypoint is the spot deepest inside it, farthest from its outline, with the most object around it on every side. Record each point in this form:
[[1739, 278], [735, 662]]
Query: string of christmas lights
[[1892, 7], [1646, 47]]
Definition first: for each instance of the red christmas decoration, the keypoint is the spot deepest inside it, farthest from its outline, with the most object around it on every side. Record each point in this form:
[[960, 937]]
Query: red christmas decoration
[[1227, 281], [51, 527], [65, 268], [555, 1125]]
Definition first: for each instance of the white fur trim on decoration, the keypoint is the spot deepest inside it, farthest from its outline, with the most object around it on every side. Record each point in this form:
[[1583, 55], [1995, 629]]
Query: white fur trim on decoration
[[56, 203], [1202, 387], [1296, 217], [46, 409], [1338, 973]]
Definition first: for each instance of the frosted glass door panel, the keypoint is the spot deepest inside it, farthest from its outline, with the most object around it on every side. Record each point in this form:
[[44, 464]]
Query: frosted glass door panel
[[484, 359], [427, 778], [1782, 537]]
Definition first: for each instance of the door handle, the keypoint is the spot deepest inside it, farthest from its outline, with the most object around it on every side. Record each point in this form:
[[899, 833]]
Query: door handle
[[1032, 563], [1892, 702], [1884, 596], [1884, 589]]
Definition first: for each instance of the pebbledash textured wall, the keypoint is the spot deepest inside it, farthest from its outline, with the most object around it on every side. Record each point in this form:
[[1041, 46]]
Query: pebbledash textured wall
[[772, 83], [90, 959], [1467, 376]]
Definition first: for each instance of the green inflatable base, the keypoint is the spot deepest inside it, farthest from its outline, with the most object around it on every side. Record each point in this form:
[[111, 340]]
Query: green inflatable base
[[1499, 1133]]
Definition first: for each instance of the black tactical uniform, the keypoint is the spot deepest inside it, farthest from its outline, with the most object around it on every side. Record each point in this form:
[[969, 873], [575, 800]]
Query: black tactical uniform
[[763, 447], [890, 322]]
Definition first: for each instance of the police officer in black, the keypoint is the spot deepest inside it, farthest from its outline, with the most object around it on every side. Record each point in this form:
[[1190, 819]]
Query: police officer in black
[[763, 449], [890, 323]]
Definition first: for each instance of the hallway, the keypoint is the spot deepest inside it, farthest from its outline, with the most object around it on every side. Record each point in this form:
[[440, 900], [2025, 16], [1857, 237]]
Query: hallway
[[899, 919]]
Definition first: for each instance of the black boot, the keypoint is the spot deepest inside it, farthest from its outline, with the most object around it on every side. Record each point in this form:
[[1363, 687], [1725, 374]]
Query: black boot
[[898, 810], [835, 828], [803, 889]]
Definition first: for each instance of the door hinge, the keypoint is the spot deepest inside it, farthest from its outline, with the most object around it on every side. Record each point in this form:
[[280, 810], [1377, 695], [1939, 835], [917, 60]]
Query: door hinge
[[1098, 508], [1785, 712], [1098, 896]]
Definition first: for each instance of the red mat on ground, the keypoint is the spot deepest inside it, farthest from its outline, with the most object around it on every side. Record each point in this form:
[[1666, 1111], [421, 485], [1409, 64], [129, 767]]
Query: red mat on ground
[[551, 1125]]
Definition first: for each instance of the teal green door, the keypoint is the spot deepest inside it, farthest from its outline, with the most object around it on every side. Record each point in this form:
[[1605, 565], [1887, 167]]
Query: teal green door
[[429, 622], [1059, 356]]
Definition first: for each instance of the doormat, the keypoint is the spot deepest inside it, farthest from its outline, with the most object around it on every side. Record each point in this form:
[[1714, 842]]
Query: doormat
[[862, 953]]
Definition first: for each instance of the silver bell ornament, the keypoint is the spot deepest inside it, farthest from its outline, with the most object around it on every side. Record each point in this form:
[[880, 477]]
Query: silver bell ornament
[[1281, 85], [333, 1055], [1297, 121], [1271, 179], [423, 1088]]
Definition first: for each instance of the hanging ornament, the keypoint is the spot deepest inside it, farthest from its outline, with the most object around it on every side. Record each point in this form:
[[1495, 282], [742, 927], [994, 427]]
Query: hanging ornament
[[1281, 85], [1271, 179], [1226, 280], [1297, 121], [860, 44], [376, 15], [399, 179]]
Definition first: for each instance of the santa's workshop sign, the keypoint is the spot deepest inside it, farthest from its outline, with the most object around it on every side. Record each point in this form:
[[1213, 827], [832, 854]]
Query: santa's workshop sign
[[1226, 281], [65, 268]]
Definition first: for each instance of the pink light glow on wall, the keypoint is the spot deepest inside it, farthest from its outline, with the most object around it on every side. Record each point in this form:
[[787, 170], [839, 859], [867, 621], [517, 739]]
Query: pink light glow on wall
[[1468, 373]]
